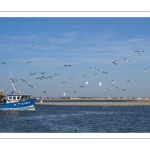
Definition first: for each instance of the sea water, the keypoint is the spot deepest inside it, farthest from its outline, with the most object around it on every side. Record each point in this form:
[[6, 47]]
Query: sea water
[[77, 119]]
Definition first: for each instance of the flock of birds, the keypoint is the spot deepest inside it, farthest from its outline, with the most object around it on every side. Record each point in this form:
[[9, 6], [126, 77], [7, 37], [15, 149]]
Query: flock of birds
[[86, 84]]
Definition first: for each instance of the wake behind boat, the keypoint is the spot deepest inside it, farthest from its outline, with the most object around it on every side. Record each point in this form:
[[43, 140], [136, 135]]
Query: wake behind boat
[[14, 100]]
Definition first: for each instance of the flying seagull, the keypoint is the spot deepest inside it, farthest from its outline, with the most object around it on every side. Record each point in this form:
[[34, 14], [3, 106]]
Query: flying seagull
[[105, 72], [99, 83], [28, 62], [139, 52], [67, 65], [115, 62], [31, 73], [33, 46], [3, 63], [97, 69], [42, 72], [123, 89], [86, 76], [62, 82], [110, 88], [51, 77], [74, 76], [81, 86], [45, 92], [86, 82], [126, 60], [92, 68], [112, 82], [23, 80], [64, 93], [31, 86], [56, 74]]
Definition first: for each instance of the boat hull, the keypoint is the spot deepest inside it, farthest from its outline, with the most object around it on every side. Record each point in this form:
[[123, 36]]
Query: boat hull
[[21, 105]]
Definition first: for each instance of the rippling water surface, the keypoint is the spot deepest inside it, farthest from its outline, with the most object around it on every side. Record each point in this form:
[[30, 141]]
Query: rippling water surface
[[80, 119]]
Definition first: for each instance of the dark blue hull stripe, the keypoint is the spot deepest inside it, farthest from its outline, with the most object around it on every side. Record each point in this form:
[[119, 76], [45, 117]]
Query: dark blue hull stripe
[[22, 105]]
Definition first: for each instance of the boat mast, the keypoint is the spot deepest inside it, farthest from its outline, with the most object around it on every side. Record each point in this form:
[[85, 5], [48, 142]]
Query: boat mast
[[11, 81]]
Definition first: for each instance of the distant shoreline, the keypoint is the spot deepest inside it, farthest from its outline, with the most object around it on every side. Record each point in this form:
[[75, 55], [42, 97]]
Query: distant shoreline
[[54, 99], [134, 102]]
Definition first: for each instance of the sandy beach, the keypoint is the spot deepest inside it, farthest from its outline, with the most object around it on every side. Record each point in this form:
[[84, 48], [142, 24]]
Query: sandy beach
[[126, 103]]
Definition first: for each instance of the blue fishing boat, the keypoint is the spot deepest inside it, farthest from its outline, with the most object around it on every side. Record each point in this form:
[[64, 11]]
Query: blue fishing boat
[[14, 100]]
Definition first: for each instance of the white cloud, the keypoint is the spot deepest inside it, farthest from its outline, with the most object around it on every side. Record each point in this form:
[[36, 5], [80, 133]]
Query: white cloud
[[63, 38], [94, 48]]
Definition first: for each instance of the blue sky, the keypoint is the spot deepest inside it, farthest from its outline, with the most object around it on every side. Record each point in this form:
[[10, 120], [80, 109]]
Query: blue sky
[[82, 43]]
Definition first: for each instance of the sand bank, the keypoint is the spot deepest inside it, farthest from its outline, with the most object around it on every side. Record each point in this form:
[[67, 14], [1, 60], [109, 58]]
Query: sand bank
[[128, 103]]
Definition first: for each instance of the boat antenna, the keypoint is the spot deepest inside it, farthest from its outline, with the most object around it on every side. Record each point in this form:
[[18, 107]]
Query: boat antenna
[[11, 81]]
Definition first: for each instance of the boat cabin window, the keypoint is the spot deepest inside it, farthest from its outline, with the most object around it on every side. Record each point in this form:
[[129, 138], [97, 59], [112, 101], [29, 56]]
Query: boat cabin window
[[18, 97], [14, 97], [10, 97], [25, 97]]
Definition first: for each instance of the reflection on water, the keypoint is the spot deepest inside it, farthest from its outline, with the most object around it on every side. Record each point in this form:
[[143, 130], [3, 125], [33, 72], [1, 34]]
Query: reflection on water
[[81, 119]]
